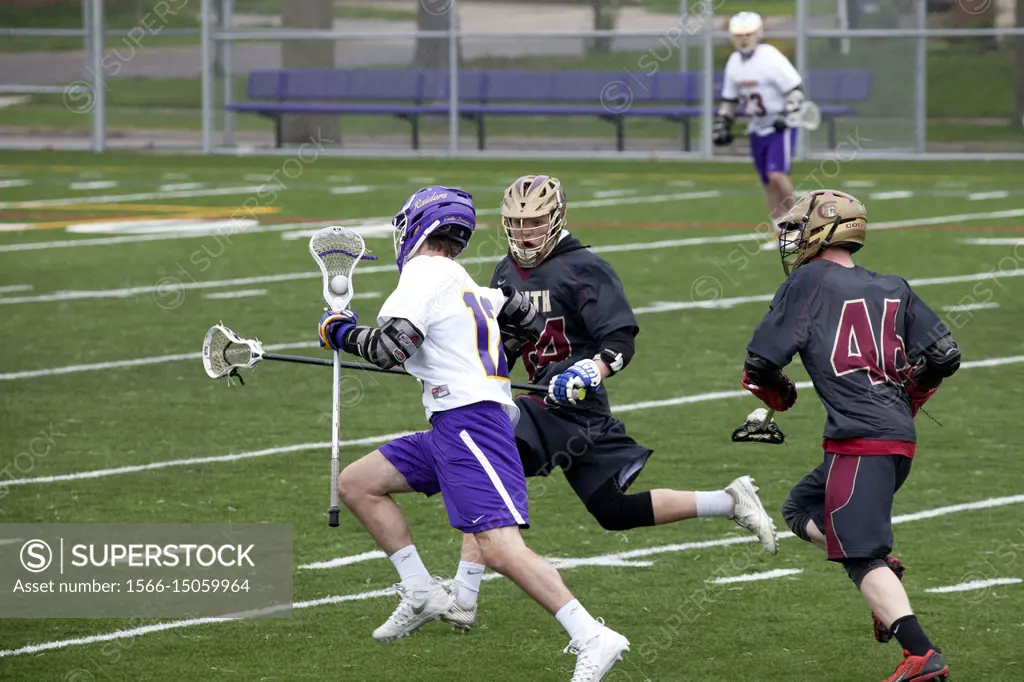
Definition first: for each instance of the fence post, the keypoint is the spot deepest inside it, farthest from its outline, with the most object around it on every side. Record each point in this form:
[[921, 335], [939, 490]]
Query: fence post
[[708, 89], [453, 78], [226, 46], [206, 81], [921, 79], [99, 87], [801, 67], [683, 47]]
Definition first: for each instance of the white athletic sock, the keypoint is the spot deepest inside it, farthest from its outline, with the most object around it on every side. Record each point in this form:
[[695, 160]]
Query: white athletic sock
[[717, 503], [410, 567], [575, 619], [468, 579]]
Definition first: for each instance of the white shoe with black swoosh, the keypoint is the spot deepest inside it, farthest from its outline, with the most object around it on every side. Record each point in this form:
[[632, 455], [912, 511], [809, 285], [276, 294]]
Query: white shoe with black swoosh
[[458, 616], [418, 606]]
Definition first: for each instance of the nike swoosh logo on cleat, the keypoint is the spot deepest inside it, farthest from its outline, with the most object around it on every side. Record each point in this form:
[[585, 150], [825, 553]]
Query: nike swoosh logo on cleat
[[474, 572]]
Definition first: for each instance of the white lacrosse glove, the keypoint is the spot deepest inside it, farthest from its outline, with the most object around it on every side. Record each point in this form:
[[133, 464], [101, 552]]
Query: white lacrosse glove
[[566, 388]]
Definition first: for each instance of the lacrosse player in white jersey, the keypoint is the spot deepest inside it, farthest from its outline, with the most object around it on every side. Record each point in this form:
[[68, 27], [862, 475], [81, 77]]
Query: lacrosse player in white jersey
[[447, 332], [762, 83]]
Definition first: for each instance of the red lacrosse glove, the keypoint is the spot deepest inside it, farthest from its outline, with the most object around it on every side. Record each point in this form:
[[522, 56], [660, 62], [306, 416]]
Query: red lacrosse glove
[[918, 398], [779, 398]]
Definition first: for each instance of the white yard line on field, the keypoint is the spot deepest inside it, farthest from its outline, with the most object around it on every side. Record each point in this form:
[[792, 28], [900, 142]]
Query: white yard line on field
[[948, 219], [180, 186], [600, 560], [898, 194], [93, 184], [969, 306], [242, 293], [345, 560], [166, 285], [141, 196], [750, 577], [155, 360], [12, 288], [974, 585], [994, 241], [352, 189], [383, 438], [987, 196], [17, 182]]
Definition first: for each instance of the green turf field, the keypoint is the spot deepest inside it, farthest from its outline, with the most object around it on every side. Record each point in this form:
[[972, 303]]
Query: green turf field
[[110, 298]]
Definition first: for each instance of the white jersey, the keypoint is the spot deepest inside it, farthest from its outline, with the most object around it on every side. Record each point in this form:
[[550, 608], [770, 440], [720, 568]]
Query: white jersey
[[760, 83], [461, 360]]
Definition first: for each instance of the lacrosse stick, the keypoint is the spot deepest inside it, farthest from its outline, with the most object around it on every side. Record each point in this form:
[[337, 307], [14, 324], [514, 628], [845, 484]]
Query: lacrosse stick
[[759, 427], [808, 116], [337, 251], [225, 352]]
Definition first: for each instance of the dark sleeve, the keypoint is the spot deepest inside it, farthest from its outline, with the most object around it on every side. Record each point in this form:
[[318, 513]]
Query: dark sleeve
[[495, 276], [782, 331], [601, 301], [922, 326]]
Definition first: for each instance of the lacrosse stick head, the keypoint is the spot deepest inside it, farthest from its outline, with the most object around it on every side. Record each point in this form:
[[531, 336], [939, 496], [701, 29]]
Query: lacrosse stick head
[[337, 250], [759, 427], [808, 116], [433, 211], [224, 352]]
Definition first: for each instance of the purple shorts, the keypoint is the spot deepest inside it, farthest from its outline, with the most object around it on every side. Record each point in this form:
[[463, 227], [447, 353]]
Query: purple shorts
[[773, 152], [469, 456]]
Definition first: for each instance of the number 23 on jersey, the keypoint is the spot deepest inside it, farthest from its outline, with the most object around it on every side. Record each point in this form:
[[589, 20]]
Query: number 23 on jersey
[[492, 355]]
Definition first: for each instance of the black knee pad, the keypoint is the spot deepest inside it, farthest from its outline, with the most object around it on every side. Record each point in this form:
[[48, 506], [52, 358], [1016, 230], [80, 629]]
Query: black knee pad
[[615, 510], [796, 518], [858, 568]]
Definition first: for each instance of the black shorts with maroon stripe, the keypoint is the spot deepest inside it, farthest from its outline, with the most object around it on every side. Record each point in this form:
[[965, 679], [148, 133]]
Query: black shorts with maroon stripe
[[850, 497]]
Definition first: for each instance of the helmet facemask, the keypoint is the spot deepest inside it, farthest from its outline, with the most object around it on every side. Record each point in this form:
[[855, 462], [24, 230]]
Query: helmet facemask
[[533, 217]]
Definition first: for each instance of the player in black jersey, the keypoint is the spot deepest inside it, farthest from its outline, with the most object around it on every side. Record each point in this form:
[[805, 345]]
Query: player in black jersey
[[875, 353], [587, 331]]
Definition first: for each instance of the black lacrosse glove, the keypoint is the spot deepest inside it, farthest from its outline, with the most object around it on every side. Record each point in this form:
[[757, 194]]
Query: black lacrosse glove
[[721, 134]]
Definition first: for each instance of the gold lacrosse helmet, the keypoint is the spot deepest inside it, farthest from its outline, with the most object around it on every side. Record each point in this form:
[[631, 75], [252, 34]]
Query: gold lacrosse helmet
[[821, 219], [533, 217]]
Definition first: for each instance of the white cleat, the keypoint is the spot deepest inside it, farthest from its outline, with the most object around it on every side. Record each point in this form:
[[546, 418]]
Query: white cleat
[[597, 653], [749, 513], [418, 606], [458, 616]]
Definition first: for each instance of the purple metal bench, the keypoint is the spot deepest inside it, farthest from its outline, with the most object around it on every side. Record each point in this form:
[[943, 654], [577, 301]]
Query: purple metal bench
[[607, 95]]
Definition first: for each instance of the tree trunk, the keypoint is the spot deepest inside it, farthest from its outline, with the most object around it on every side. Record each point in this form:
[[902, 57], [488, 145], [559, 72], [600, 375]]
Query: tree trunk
[[432, 53], [605, 15], [1018, 108], [308, 54]]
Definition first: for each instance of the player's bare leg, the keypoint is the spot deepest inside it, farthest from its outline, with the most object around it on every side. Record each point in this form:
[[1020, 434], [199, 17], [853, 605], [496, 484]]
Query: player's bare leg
[[884, 593], [816, 536], [739, 501], [365, 487], [778, 193], [597, 647]]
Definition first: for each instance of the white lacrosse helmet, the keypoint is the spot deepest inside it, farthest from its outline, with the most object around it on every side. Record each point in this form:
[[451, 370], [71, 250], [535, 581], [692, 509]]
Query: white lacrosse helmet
[[745, 30]]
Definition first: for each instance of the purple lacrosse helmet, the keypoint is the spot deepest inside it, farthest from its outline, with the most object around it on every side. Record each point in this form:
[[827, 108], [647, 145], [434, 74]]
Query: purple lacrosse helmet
[[433, 211]]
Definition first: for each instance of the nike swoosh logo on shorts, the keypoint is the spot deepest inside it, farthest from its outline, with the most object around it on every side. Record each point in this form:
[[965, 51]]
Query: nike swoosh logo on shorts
[[477, 518]]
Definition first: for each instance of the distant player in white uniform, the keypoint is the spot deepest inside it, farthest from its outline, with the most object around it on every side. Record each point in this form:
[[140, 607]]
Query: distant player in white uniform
[[762, 83], [447, 333]]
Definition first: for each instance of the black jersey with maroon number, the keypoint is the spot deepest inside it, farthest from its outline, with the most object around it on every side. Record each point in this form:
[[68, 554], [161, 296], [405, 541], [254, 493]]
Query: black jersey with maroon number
[[581, 300], [855, 331]]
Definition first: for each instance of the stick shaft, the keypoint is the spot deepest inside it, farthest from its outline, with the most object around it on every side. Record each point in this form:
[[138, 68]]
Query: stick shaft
[[335, 441], [304, 360]]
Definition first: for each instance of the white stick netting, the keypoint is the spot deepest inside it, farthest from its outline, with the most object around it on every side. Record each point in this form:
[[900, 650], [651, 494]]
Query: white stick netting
[[337, 250], [224, 352]]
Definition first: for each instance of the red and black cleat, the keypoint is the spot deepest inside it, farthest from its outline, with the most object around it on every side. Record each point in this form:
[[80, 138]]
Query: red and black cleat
[[882, 632], [931, 666]]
